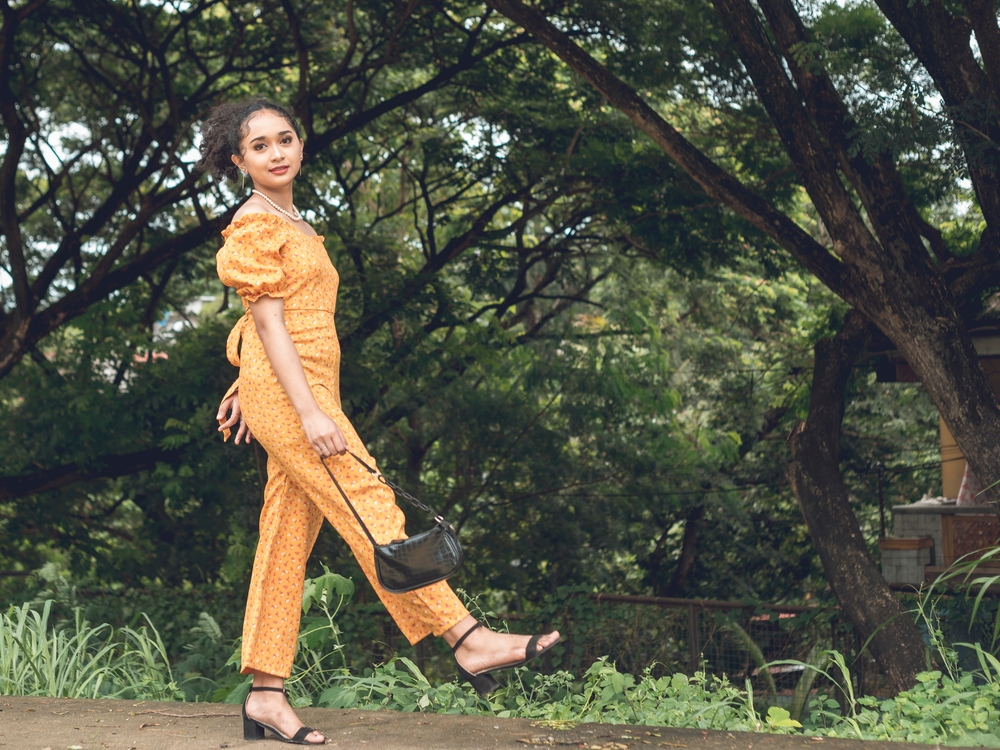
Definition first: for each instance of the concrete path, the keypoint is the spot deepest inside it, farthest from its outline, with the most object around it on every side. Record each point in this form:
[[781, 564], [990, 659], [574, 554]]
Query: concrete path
[[63, 724]]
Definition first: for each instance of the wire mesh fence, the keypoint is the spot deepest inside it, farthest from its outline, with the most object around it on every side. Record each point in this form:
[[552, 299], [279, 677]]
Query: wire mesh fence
[[744, 641], [732, 639]]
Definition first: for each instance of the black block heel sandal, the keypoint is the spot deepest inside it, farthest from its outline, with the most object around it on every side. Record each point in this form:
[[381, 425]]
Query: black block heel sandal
[[484, 683], [254, 730]]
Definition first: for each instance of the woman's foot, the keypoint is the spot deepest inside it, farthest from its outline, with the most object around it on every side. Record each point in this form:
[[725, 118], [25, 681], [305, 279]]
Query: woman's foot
[[485, 650], [272, 708]]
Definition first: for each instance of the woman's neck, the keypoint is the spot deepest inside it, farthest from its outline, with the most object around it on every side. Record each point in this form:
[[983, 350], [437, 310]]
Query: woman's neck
[[281, 196]]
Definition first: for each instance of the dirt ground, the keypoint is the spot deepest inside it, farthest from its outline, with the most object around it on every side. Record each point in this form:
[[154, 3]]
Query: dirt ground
[[63, 724]]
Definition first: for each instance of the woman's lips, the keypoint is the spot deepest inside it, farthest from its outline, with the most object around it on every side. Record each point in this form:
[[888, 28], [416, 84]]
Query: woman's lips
[[279, 170]]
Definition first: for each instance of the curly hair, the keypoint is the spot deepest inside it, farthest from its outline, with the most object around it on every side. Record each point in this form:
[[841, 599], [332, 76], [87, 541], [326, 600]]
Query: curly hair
[[225, 127]]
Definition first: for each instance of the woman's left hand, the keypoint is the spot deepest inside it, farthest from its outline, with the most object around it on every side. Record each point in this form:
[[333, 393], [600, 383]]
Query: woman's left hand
[[323, 434], [232, 405]]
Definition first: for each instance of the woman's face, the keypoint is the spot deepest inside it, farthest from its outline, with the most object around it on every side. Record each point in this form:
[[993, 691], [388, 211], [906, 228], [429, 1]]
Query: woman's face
[[271, 152]]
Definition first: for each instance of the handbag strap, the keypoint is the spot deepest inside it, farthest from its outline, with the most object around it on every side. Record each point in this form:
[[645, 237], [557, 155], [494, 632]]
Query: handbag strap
[[395, 488], [349, 503]]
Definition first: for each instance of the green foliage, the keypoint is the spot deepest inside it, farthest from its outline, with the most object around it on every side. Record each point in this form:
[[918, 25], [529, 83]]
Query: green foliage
[[938, 710], [170, 522], [81, 660], [603, 695], [179, 612], [957, 706], [957, 626], [548, 331], [779, 718]]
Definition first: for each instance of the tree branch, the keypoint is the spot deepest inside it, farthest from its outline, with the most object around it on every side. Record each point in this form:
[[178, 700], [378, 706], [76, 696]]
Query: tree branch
[[875, 178], [452, 249], [715, 181], [811, 157], [466, 61], [941, 43], [102, 467], [17, 337], [17, 136]]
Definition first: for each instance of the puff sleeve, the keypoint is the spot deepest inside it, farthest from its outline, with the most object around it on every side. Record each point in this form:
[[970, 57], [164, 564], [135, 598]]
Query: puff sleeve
[[251, 260]]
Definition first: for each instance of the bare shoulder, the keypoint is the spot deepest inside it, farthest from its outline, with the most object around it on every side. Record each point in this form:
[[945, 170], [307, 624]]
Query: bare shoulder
[[253, 205], [256, 205]]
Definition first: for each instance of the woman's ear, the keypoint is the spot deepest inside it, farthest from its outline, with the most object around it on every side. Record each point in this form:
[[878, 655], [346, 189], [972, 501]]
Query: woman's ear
[[238, 161]]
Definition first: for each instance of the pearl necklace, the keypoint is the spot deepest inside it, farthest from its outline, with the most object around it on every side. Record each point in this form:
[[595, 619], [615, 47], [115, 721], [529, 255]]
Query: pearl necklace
[[294, 215]]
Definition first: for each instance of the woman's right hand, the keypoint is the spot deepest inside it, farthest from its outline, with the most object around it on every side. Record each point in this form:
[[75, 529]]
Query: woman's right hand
[[323, 434], [232, 405]]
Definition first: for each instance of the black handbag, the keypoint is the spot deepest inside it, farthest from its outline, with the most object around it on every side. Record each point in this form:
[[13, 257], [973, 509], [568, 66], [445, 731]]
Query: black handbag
[[407, 564]]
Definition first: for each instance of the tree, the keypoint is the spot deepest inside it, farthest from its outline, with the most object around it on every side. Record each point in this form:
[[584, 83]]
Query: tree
[[465, 219], [546, 325], [886, 259], [911, 285], [99, 104]]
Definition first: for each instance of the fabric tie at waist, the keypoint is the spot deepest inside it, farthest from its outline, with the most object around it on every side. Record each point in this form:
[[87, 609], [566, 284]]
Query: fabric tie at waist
[[235, 335], [240, 330]]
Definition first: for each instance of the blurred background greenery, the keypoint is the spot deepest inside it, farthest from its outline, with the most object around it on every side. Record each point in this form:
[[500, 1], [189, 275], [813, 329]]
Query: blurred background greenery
[[550, 334]]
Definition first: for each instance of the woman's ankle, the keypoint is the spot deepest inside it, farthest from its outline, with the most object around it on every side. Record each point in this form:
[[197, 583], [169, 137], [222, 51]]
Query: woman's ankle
[[265, 680], [455, 633]]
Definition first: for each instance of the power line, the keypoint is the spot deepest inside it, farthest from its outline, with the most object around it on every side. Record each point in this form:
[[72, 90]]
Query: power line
[[749, 485]]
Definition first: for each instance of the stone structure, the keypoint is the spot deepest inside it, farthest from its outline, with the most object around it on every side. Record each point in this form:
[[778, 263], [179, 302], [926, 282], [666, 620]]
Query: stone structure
[[930, 535]]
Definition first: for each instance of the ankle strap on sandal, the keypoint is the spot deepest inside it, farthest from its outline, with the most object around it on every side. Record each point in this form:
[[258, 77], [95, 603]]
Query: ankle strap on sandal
[[465, 635]]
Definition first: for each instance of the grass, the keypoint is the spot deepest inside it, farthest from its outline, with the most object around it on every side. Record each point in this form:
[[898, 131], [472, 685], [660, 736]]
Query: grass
[[79, 660]]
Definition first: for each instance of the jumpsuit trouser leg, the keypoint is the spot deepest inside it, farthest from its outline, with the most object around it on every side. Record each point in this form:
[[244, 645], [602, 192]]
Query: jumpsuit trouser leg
[[298, 496]]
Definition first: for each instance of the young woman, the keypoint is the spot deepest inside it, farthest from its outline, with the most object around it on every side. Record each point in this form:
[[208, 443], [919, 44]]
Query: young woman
[[288, 398]]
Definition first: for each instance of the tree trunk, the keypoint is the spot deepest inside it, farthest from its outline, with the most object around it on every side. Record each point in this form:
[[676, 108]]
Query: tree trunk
[[677, 584], [865, 598]]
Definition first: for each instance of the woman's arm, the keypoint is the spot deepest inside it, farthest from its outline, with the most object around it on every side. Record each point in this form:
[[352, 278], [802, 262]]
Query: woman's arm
[[269, 318]]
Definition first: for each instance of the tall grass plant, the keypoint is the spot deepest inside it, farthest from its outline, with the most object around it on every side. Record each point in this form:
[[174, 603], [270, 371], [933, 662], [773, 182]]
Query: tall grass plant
[[79, 660]]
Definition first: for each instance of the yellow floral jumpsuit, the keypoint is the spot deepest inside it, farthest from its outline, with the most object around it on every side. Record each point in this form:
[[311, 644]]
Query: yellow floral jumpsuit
[[265, 255]]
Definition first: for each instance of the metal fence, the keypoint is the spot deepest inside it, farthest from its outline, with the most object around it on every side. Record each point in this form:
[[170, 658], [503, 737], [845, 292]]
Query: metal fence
[[732, 639], [739, 640]]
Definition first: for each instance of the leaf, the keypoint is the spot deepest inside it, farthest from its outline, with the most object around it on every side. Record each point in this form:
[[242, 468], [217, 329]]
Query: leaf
[[779, 717]]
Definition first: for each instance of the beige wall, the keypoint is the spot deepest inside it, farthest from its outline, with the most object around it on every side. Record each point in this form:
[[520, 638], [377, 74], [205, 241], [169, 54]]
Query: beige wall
[[952, 462]]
